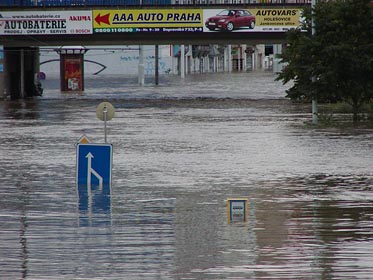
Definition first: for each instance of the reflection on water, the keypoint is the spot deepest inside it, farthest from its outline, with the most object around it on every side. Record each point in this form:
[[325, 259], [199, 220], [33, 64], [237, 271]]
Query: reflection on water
[[180, 151], [94, 206]]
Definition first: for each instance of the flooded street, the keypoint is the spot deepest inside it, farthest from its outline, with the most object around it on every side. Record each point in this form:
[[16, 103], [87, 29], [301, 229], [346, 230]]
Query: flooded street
[[180, 150]]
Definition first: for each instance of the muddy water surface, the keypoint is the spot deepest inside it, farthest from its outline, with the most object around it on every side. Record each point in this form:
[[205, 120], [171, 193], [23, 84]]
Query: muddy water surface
[[181, 150]]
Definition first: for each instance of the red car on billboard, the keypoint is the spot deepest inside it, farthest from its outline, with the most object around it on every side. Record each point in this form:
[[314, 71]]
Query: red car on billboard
[[229, 20]]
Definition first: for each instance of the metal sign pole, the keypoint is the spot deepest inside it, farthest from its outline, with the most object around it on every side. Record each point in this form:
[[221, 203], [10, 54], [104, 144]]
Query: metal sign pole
[[105, 112], [105, 119]]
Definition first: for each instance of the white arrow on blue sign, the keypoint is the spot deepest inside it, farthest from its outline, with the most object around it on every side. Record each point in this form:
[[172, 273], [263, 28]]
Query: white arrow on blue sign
[[94, 164]]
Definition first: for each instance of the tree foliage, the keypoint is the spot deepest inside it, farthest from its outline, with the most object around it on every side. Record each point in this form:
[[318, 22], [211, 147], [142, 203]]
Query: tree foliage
[[336, 63]]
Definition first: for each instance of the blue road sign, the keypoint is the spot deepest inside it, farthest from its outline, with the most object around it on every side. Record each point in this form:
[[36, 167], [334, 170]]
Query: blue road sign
[[93, 178], [93, 165]]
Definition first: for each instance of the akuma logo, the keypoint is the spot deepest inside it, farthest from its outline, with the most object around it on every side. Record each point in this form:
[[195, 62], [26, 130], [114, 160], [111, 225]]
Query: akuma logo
[[80, 18]]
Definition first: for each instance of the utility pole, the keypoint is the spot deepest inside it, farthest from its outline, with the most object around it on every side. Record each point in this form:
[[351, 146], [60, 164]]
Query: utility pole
[[141, 66], [156, 69], [182, 61]]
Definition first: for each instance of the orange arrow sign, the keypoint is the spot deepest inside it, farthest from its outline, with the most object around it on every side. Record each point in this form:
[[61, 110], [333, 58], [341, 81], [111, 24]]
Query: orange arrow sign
[[103, 19]]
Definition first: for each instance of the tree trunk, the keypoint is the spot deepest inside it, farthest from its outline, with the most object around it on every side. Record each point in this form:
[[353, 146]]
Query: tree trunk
[[355, 111]]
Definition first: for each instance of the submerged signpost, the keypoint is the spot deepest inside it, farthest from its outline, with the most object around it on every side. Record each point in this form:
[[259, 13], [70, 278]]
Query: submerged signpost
[[237, 210], [93, 161], [94, 169]]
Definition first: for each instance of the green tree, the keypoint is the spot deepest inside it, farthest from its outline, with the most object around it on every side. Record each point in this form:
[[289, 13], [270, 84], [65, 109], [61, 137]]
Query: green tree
[[336, 63]]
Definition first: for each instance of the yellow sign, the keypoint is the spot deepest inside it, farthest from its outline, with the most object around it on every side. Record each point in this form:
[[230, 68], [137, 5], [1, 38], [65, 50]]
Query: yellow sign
[[152, 20], [84, 140], [276, 17]]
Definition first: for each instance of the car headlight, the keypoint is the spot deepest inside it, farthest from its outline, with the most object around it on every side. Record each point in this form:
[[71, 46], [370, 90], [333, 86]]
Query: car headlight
[[221, 20]]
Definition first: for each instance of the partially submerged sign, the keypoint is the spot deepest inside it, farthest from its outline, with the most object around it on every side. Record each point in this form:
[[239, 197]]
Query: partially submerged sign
[[93, 179], [237, 210], [93, 163], [84, 140]]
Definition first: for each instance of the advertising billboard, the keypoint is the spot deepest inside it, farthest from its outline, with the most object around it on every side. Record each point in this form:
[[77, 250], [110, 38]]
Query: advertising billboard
[[73, 78], [196, 20], [148, 20], [275, 19], [251, 20], [45, 22]]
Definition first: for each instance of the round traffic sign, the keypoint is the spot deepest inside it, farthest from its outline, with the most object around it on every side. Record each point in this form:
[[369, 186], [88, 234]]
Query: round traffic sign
[[105, 108]]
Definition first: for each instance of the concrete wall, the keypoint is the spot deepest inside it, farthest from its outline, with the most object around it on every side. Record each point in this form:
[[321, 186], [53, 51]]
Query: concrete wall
[[114, 60]]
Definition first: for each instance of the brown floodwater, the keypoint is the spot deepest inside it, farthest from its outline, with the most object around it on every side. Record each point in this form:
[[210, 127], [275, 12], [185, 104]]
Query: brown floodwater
[[180, 151]]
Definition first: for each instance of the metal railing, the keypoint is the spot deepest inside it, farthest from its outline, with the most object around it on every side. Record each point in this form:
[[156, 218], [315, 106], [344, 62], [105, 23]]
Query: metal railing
[[84, 3]]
